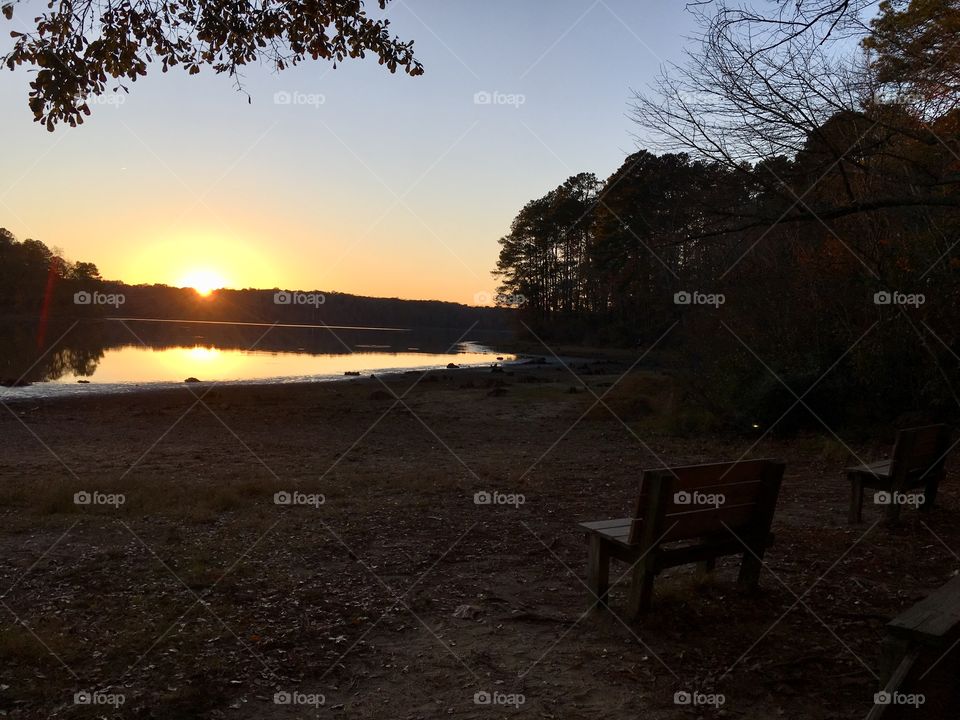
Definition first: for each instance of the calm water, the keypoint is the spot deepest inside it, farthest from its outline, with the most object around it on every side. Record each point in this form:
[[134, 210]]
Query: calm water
[[116, 355]]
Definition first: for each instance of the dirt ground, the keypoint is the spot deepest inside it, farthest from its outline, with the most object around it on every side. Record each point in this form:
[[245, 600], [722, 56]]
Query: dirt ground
[[201, 597]]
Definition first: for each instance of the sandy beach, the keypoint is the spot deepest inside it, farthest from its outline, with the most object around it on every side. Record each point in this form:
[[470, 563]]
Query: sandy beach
[[383, 589]]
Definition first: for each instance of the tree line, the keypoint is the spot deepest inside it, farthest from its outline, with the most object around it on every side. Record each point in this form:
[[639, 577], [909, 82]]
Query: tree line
[[790, 236], [32, 274], [39, 284]]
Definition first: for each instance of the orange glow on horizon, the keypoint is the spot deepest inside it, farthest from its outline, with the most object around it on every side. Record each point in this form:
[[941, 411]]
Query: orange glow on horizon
[[203, 281], [202, 257]]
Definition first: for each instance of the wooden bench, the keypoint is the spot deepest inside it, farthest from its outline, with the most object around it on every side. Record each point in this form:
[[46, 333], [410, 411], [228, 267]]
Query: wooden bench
[[677, 520], [916, 644], [917, 461]]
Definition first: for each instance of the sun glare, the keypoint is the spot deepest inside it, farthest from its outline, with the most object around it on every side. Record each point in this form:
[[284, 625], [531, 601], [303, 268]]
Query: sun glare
[[203, 281]]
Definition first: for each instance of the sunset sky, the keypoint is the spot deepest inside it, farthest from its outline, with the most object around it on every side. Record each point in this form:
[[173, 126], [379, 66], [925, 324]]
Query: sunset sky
[[366, 182]]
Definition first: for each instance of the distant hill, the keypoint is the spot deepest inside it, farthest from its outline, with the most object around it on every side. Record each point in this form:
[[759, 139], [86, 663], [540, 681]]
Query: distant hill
[[281, 306]]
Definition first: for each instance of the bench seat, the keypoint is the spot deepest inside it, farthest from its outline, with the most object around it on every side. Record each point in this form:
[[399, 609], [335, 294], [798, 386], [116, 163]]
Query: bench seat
[[679, 552], [935, 620], [879, 469], [617, 531]]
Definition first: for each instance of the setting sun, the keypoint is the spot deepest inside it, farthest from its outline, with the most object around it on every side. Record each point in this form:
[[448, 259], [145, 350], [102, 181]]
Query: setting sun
[[203, 281]]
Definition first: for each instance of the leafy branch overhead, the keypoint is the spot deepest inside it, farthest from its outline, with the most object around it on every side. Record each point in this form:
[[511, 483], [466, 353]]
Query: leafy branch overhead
[[76, 48]]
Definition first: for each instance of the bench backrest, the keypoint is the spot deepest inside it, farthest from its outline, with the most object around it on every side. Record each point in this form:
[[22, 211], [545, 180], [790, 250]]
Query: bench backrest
[[691, 501], [920, 452]]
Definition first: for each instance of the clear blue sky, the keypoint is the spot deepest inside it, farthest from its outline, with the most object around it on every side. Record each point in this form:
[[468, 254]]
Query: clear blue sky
[[390, 186]]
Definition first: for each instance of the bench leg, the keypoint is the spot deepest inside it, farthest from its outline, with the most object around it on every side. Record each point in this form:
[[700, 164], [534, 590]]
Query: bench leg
[[856, 500], [892, 513], [930, 493], [750, 568], [641, 589], [598, 573], [893, 650]]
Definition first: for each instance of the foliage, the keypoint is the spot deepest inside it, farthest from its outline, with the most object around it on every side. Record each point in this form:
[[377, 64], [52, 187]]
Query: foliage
[[916, 50], [77, 47]]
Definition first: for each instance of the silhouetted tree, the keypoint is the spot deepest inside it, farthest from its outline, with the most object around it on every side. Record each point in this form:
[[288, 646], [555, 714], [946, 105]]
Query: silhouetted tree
[[742, 98], [85, 271], [75, 48], [544, 257]]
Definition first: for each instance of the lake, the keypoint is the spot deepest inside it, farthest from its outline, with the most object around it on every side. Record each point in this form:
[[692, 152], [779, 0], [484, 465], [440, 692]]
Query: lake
[[124, 353]]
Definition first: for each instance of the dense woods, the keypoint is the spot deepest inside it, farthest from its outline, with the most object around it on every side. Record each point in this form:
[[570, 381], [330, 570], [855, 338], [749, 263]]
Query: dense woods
[[792, 236]]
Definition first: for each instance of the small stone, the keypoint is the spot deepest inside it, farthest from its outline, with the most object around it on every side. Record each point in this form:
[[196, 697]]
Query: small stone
[[467, 612]]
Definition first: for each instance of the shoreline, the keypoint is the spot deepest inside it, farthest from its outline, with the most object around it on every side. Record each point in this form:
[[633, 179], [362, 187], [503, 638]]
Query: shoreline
[[62, 390]]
